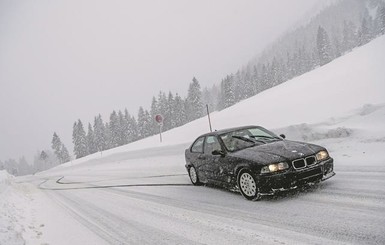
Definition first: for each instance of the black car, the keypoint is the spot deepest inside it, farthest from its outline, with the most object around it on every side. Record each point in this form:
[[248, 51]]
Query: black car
[[255, 161]]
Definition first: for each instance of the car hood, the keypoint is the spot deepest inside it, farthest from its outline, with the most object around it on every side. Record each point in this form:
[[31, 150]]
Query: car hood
[[283, 150]]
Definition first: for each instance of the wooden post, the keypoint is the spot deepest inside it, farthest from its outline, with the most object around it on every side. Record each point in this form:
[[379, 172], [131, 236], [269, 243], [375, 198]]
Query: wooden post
[[208, 115]]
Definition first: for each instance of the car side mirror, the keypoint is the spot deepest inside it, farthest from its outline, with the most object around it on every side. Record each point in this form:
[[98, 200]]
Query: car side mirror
[[218, 153], [283, 136]]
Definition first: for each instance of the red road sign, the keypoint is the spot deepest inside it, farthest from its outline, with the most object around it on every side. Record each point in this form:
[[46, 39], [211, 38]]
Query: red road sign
[[159, 118]]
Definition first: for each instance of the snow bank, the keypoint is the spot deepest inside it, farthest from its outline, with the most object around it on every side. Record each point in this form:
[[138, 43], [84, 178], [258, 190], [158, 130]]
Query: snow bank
[[5, 179], [10, 228]]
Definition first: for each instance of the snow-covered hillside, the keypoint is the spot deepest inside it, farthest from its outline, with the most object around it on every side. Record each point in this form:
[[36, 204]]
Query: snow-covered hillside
[[337, 89], [140, 193]]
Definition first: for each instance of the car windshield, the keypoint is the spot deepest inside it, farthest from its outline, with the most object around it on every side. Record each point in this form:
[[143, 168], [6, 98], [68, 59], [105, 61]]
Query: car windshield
[[247, 137]]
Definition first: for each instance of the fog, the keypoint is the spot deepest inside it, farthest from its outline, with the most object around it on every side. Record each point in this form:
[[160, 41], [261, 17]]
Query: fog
[[65, 60]]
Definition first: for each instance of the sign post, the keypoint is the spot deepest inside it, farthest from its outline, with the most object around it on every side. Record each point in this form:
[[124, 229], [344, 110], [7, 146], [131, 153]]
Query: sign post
[[208, 115], [159, 120]]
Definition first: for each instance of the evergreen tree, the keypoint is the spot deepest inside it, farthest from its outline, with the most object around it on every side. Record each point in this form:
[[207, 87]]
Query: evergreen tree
[[100, 137], [266, 78], [131, 132], [349, 36], [43, 156], [364, 35], [56, 145], [107, 133], [133, 128], [123, 130], [228, 95], [91, 140], [60, 150], [180, 112], [207, 99], [79, 139], [153, 112], [194, 109], [323, 46], [144, 124], [170, 111], [65, 155], [162, 108], [248, 84], [114, 130], [381, 21]]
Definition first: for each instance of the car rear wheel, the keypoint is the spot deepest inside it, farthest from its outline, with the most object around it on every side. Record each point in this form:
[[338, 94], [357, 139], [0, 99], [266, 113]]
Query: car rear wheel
[[247, 185], [193, 176]]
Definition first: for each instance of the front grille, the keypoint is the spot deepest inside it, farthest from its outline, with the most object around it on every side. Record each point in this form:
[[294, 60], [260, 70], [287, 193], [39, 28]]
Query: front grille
[[303, 162], [310, 160], [299, 163]]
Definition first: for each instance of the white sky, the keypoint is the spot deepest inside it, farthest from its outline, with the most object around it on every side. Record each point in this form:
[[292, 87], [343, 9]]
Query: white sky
[[70, 59]]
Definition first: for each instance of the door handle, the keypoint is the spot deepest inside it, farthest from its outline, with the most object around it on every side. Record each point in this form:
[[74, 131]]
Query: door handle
[[202, 158]]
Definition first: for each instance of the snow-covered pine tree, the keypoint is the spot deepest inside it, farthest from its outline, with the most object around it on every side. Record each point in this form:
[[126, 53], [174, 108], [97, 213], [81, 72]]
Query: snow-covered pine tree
[[227, 97], [323, 46], [123, 130], [114, 130], [59, 148], [56, 146], [266, 77], [349, 39], [131, 133], [154, 110], [43, 156], [79, 139], [133, 128], [100, 134], [194, 109], [170, 111], [364, 35], [248, 83], [207, 99], [381, 22], [162, 107], [144, 124], [91, 140], [274, 71], [180, 113], [107, 133], [65, 155]]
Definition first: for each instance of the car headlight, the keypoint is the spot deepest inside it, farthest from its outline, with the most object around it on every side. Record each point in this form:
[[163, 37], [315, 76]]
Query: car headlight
[[271, 168], [322, 155]]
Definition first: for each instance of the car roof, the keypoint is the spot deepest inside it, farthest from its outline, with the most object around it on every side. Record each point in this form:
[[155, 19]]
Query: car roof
[[227, 130]]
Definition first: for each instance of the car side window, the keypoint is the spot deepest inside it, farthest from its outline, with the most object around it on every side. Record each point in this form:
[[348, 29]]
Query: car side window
[[197, 147], [212, 144]]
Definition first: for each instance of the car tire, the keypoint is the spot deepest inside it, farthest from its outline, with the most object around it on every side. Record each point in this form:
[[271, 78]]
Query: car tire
[[192, 173], [248, 185]]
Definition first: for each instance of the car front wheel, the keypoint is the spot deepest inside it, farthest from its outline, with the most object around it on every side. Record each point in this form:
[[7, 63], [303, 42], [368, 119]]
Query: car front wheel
[[193, 176], [247, 185]]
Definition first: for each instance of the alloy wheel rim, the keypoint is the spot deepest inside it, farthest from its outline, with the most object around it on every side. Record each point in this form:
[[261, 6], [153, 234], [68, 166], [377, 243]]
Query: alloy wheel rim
[[248, 185], [193, 175]]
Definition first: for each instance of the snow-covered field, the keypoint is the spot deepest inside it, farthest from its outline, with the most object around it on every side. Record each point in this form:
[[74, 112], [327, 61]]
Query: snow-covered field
[[141, 194]]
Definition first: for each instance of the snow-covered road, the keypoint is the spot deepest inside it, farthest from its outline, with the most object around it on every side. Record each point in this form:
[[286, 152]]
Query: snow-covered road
[[150, 200]]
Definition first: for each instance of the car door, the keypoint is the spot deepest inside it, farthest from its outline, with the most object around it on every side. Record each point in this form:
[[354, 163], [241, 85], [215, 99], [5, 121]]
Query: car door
[[197, 158], [214, 163]]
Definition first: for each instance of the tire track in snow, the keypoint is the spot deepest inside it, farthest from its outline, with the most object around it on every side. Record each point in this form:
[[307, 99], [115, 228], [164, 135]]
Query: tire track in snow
[[110, 226]]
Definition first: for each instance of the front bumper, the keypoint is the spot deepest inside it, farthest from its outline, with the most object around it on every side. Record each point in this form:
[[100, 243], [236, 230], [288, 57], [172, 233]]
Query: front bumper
[[292, 179]]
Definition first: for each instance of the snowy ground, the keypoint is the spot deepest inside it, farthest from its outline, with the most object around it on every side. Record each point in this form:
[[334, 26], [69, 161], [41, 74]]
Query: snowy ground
[[140, 193]]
